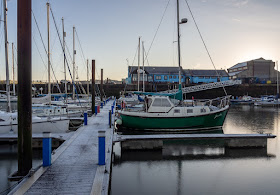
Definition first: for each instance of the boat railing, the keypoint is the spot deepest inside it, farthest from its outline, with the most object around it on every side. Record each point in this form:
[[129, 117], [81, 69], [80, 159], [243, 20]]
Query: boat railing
[[218, 102]]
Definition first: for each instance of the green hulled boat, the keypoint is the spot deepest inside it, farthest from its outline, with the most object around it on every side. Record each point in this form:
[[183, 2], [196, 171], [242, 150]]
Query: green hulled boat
[[168, 112], [161, 113]]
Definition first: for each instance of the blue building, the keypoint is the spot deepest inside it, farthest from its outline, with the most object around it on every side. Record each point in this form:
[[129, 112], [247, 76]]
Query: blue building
[[163, 74]]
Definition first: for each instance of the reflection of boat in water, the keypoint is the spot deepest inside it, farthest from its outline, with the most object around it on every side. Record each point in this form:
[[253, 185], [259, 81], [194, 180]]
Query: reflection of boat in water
[[190, 150]]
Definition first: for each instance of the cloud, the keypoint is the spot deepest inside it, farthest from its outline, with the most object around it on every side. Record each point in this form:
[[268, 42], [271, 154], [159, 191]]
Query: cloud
[[236, 20], [237, 3]]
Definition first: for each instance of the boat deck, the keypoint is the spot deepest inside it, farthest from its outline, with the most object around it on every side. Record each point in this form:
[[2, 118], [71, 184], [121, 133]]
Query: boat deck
[[75, 168]]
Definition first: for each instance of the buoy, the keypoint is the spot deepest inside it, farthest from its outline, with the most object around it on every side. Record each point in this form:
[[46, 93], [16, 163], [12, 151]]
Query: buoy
[[119, 121]]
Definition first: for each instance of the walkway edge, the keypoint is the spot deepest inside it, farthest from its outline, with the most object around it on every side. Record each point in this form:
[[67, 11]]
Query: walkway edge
[[24, 185]]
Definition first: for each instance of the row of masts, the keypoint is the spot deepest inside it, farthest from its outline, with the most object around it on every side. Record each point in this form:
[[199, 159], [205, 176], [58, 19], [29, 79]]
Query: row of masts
[[8, 93]]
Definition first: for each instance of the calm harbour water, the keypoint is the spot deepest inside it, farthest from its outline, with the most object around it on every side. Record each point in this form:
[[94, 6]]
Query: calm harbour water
[[205, 167], [193, 167], [9, 165]]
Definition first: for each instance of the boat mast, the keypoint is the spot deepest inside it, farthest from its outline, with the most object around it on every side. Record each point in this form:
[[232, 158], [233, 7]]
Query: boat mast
[[138, 72], [74, 52], [14, 87], [49, 59], [7, 60], [64, 35], [143, 67], [277, 82], [87, 79], [179, 52]]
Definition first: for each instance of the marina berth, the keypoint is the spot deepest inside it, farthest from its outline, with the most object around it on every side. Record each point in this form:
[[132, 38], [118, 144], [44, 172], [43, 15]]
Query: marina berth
[[9, 124]]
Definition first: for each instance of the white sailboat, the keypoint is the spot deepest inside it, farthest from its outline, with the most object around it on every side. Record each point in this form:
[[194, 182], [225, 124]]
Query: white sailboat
[[8, 120]]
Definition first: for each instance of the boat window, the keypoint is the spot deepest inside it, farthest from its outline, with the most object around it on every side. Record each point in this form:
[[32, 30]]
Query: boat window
[[165, 103], [1, 120], [159, 102], [202, 110], [165, 77], [189, 110], [176, 111]]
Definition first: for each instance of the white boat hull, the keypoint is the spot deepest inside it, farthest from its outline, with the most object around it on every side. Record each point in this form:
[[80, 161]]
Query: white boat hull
[[45, 125]]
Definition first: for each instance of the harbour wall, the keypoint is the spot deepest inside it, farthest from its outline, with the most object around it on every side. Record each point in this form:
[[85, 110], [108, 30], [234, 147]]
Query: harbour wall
[[254, 90]]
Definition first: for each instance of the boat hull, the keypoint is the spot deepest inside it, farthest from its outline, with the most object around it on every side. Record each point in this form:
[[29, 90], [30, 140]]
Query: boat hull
[[208, 121], [52, 126]]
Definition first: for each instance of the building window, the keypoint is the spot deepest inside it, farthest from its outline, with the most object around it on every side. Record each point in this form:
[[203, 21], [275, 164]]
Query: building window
[[245, 68], [158, 77], [165, 77], [239, 69], [229, 70]]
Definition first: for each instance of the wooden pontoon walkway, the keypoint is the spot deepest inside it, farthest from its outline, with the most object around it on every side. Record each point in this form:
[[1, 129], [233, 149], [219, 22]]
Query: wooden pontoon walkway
[[75, 168], [120, 138]]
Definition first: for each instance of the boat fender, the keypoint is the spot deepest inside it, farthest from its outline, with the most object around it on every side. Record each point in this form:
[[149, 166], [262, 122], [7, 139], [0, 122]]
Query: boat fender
[[119, 122]]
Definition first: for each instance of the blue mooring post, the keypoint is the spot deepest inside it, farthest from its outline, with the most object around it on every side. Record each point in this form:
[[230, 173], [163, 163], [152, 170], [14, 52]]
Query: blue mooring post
[[85, 118], [101, 147], [110, 118], [112, 107], [96, 110], [47, 149], [101, 105]]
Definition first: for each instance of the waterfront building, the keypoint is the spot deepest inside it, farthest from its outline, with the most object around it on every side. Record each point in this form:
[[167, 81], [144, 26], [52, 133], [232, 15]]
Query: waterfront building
[[254, 71], [163, 74]]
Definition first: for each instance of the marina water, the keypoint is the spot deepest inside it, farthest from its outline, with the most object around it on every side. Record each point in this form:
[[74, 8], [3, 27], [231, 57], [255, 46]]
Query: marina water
[[192, 167], [205, 166]]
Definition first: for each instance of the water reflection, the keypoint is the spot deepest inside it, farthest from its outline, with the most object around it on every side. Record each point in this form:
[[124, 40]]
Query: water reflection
[[206, 166], [8, 164], [188, 150]]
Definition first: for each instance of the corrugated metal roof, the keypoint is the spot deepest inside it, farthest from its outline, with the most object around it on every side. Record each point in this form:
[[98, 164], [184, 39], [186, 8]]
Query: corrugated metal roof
[[234, 73], [242, 64], [208, 73], [156, 69], [239, 65], [174, 70]]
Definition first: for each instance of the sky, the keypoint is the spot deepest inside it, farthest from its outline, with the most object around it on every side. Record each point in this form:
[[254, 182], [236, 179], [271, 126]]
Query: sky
[[108, 31]]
